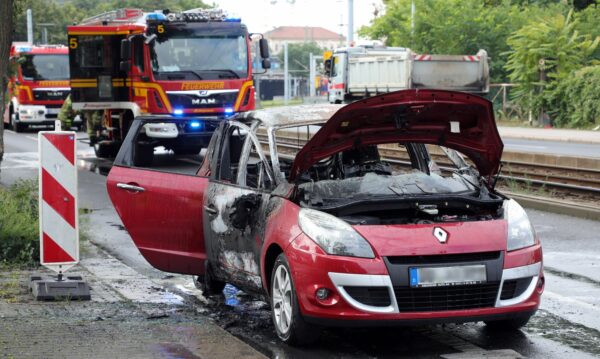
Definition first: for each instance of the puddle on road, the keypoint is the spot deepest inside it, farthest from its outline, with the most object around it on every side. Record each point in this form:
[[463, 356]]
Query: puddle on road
[[95, 165], [171, 350], [576, 336]]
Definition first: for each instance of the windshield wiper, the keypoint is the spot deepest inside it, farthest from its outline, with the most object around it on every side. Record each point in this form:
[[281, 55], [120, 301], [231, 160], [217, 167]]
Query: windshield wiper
[[180, 72], [235, 74]]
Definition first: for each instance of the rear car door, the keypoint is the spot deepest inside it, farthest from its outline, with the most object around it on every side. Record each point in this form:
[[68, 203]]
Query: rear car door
[[158, 194]]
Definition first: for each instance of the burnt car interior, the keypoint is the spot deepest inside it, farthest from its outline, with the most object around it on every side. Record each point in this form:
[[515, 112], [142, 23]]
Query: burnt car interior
[[361, 187]]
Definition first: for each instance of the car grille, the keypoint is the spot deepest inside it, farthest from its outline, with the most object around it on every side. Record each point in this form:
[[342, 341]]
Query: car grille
[[42, 95], [445, 258], [373, 296], [431, 299]]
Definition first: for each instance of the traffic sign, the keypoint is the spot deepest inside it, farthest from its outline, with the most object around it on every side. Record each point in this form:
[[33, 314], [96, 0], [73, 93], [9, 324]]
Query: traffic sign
[[59, 222]]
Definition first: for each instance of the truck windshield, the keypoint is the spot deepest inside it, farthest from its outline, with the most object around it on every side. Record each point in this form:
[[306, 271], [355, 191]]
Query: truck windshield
[[200, 57], [45, 67]]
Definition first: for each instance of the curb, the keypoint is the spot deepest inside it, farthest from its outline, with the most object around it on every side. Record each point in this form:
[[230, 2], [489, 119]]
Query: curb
[[555, 206]]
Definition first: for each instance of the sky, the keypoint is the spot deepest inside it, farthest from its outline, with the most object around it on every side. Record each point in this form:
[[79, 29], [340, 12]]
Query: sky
[[264, 15]]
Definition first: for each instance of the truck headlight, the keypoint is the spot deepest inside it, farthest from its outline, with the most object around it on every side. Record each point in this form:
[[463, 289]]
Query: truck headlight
[[333, 235], [520, 230], [26, 111]]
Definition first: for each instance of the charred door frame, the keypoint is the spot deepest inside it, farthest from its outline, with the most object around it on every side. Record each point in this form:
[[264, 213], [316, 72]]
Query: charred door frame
[[235, 214]]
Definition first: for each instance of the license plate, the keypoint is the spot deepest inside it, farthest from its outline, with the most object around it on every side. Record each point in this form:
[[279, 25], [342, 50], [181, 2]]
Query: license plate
[[52, 111], [447, 276]]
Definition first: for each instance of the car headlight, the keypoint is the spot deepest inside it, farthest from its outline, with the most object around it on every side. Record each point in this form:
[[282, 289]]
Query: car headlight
[[520, 230], [26, 111], [333, 235]]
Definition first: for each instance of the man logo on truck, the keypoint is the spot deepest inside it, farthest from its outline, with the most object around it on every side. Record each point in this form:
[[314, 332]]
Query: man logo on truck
[[204, 101]]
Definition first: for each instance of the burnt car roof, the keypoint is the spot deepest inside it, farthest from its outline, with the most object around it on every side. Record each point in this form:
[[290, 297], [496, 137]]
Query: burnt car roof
[[287, 116]]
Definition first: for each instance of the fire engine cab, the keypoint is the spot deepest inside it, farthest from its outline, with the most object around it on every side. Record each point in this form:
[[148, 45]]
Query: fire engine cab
[[38, 87], [193, 63]]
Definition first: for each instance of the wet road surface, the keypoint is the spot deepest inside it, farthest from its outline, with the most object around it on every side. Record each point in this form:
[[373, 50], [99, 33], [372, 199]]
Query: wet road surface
[[566, 326]]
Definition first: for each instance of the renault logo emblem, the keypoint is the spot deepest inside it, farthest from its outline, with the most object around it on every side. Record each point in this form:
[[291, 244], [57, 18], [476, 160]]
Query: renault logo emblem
[[440, 234]]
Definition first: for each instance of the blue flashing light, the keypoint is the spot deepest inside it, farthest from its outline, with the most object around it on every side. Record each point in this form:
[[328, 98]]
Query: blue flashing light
[[156, 16], [177, 112], [232, 19], [229, 110], [195, 124]]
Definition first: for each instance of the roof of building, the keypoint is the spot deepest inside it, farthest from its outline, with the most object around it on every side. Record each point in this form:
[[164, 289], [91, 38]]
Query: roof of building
[[306, 33]]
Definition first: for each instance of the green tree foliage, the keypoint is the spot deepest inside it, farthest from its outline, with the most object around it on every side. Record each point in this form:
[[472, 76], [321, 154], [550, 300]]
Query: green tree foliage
[[458, 26], [68, 12], [19, 231], [299, 57], [542, 55], [576, 99]]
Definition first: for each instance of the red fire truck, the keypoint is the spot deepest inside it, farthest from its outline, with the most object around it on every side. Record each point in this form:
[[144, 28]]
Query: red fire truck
[[127, 62], [39, 85]]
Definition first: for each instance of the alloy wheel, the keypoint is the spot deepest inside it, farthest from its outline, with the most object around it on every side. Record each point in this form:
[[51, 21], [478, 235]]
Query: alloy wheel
[[282, 299]]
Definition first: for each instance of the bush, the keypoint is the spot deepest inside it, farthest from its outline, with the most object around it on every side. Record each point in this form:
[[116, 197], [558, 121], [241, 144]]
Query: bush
[[575, 102], [19, 232]]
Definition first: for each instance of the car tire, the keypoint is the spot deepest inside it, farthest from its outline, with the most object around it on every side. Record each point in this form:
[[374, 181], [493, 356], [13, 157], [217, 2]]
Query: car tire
[[208, 284], [508, 324], [285, 311]]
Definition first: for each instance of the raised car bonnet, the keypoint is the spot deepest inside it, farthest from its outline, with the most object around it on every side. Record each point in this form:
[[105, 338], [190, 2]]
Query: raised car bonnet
[[455, 120]]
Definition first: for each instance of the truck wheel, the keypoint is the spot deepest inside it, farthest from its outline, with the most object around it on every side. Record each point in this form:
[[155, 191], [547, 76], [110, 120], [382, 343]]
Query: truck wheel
[[16, 126], [508, 324], [289, 323], [207, 283], [106, 149]]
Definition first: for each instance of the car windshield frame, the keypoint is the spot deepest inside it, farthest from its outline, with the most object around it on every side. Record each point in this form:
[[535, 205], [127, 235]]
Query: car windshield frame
[[33, 64]]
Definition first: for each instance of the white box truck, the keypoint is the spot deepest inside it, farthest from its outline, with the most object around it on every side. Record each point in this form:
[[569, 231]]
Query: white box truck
[[359, 72]]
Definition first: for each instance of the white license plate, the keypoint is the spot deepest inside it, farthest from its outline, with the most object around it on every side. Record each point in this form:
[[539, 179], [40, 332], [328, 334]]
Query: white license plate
[[52, 111], [447, 276]]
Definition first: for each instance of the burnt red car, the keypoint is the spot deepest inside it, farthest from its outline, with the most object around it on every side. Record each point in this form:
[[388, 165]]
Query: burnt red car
[[380, 212]]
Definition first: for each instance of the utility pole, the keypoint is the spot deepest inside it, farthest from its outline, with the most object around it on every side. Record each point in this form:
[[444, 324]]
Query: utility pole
[[286, 75], [29, 26], [350, 37]]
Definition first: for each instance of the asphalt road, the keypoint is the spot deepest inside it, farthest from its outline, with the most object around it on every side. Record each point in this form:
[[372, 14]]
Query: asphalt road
[[552, 147], [566, 326]]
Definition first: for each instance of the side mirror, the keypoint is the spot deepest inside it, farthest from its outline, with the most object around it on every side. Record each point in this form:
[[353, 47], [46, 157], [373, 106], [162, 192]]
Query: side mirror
[[266, 64], [327, 67], [125, 66], [125, 50], [264, 48]]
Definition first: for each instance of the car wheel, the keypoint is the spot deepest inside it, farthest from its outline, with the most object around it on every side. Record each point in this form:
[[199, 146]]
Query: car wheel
[[208, 284], [513, 323], [289, 323]]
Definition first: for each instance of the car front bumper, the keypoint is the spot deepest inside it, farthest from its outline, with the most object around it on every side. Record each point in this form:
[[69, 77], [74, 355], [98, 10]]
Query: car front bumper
[[312, 269]]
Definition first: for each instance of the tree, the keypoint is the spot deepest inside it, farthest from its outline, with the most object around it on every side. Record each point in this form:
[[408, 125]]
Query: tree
[[458, 26], [6, 32], [543, 54], [68, 13], [299, 57]]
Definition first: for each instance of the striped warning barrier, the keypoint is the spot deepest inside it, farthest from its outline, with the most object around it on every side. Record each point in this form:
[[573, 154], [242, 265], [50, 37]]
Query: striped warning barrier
[[59, 223]]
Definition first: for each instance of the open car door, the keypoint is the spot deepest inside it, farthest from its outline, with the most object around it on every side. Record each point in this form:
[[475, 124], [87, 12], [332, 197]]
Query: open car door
[[156, 191]]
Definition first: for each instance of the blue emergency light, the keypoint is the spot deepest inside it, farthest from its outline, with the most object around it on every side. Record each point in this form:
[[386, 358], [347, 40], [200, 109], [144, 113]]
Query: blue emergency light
[[229, 110], [177, 112], [195, 124], [156, 16]]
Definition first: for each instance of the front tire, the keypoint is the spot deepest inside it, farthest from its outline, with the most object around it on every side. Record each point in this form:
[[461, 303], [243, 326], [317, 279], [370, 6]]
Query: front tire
[[289, 323]]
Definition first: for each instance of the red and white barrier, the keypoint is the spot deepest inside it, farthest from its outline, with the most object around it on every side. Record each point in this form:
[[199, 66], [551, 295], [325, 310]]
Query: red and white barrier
[[59, 222]]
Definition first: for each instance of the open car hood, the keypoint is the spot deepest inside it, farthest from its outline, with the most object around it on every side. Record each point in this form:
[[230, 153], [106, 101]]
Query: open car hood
[[455, 120]]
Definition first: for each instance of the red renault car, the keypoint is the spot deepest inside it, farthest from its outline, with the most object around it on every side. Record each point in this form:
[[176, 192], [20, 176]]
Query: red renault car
[[376, 213]]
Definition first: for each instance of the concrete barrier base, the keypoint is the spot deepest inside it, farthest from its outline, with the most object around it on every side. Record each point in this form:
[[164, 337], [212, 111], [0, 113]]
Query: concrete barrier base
[[59, 288]]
